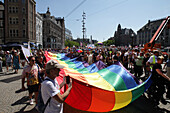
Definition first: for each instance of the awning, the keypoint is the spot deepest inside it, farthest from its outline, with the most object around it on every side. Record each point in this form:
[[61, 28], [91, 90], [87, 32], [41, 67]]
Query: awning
[[32, 43], [32, 47]]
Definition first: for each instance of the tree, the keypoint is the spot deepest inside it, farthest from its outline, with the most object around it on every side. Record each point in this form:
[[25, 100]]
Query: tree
[[71, 43], [109, 42]]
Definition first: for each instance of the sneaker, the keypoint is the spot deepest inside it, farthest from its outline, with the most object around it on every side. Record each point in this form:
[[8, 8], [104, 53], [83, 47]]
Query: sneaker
[[31, 102]]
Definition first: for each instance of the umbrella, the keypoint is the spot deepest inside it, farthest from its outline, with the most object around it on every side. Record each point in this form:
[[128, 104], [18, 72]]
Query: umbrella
[[99, 43], [79, 50]]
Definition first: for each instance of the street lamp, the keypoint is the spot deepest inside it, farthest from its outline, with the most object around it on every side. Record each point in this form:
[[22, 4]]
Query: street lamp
[[132, 36]]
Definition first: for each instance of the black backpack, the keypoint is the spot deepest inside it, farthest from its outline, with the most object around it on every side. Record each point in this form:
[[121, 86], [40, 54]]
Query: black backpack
[[40, 104], [40, 80]]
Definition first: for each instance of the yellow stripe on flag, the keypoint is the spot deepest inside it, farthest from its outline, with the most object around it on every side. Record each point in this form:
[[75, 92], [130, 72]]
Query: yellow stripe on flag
[[96, 80]]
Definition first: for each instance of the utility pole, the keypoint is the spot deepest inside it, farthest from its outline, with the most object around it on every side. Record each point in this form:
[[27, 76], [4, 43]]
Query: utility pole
[[83, 26]]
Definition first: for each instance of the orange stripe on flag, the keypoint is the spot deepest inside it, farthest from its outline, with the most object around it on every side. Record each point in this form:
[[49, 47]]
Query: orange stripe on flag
[[102, 102]]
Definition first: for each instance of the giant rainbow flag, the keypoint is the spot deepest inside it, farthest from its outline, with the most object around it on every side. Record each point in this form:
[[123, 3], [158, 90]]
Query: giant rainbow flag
[[95, 90]]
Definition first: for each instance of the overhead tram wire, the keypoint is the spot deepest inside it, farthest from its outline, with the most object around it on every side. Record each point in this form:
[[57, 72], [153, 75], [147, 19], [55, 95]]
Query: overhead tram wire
[[75, 8], [114, 5]]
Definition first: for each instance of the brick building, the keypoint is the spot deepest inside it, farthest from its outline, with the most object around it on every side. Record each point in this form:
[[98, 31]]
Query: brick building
[[145, 34], [53, 31], [124, 37], [2, 23], [20, 21]]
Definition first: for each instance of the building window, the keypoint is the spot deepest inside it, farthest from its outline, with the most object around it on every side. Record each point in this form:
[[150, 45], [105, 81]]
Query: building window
[[23, 21], [10, 32], [1, 14], [1, 32], [23, 10], [13, 8], [13, 20], [17, 33], [1, 23], [48, 40], [10, 10], [16, 20], [14, 33], [16, 9], [54, 40], [23, 33]]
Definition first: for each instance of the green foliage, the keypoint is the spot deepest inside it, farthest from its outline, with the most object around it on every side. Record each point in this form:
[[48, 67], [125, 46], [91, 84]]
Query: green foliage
[[71, 43], [109, 42], [96, 44]]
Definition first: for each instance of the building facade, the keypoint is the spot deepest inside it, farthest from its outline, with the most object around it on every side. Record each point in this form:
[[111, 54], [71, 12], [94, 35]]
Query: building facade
[[68, 34], [2, 23], [39, 30], [145, 34], [124, 37], [20, 21], [53, 31]]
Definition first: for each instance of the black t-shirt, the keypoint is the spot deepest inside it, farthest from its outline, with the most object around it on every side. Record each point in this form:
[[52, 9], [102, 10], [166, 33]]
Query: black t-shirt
[[94, 56], [155, 76], [145, 60]]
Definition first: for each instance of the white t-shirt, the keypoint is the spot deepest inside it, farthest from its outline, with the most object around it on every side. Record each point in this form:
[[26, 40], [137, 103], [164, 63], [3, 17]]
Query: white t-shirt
[[90, 59], [50, 88], [151, 59]]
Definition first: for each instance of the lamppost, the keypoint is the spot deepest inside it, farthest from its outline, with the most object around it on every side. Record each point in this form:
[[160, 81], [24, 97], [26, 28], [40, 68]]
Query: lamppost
[[83, 26], [132, 36]]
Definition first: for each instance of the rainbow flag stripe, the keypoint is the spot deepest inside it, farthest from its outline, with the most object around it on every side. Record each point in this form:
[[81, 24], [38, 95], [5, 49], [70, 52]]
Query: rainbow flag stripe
[[97, 90]]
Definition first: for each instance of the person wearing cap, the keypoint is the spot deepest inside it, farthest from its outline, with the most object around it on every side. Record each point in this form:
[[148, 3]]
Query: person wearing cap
[[153, 59], [51, 89], [157, 88], [8, 59]]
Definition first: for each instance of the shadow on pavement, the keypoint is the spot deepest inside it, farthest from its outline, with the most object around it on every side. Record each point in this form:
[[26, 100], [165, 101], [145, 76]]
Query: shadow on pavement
[[30, 111], [20, 90], [23, 100], [8, 80]]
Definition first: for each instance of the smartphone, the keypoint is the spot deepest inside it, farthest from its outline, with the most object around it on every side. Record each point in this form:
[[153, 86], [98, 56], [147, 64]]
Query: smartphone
[[67, 79]]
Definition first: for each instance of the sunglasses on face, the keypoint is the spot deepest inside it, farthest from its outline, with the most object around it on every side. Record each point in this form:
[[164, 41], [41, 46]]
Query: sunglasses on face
[[33, 60]]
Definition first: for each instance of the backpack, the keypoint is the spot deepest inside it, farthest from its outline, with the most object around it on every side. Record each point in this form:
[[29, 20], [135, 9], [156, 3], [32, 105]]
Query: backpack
[[40, 103], [40, 80]]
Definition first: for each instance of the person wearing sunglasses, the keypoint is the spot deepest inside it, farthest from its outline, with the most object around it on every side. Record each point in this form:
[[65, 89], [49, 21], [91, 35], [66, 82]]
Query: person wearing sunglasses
[[31, 73]]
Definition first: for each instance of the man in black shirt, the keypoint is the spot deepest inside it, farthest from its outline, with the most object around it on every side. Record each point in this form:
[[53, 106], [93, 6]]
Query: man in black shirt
[[157, 88]]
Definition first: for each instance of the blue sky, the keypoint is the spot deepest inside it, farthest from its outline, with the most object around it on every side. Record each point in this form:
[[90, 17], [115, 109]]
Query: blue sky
[[103, 16]]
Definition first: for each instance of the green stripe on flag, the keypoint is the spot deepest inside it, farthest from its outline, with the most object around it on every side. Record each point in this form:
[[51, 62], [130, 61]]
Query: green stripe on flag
[[115, 80]]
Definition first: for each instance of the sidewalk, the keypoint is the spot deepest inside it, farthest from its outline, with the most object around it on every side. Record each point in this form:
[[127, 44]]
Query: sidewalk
[[11, 99], [14, 101]]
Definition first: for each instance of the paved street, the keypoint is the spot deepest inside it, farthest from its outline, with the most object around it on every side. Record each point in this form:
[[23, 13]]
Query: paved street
[[11, 99], [14, 101]]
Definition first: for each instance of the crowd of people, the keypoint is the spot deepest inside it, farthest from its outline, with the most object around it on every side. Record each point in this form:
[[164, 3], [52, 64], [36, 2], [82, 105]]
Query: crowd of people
[[141, 64]]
